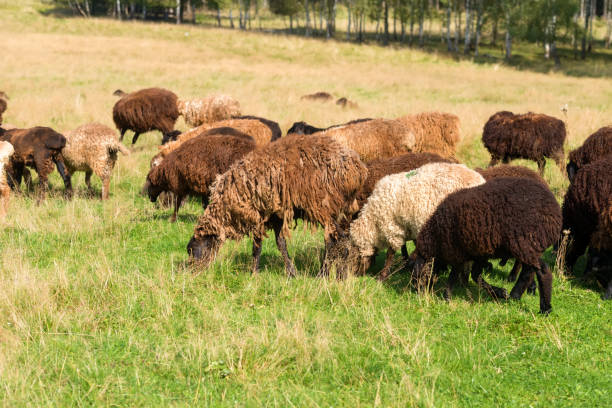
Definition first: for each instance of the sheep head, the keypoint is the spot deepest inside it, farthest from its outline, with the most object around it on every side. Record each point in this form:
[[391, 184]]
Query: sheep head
[[572, 169], [203, 249], [343, 255]]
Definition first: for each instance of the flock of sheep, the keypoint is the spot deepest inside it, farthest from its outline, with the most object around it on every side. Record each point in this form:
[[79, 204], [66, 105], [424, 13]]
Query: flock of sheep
[[372, 184]]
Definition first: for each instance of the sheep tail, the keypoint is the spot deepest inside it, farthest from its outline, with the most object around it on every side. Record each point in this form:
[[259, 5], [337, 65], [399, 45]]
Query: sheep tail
[[113, 149]]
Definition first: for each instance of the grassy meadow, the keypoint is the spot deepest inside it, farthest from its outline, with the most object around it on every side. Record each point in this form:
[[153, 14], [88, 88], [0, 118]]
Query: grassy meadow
[[98, 305]]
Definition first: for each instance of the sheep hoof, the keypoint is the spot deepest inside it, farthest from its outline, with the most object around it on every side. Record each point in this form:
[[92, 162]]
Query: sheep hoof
[[545, 311]]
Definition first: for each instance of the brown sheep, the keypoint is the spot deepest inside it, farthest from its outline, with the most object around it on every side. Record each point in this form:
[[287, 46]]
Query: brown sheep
[[3, 104], [318, 97], [434, 132], [92, 148], [586, 199], [596, 146], [193, 166], [600, 251], [530, 136], [311, 177], [39, 148], [262, 130], [146, 110], [211, 109], [345, 103], [493, 220], [374, 139], [6, 151]]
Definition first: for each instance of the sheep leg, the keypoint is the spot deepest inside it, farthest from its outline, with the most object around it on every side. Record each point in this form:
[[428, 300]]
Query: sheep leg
[[525, 281], [177, 204], [560, 161], [135, 138], [61, 168], [88, 179], [574, 252], [515, 270], [27, 179], [545, 285], [5, 193], [384, 273], [608, 293], [494, 291], [494, 161], [105, 188], [453, 279], [541, 164], [122, 134], [257, 246], [282, 247]]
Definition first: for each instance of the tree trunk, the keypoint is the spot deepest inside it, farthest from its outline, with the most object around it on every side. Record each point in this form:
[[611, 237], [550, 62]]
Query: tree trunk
[[457, 27], [394, 23], [421, 22], [448, 27], [348, 26], [218, 17], [377, 30], [307, 18], [508, 38], [587, 17], [478, 27], [608, 11], [231, 19], [119, 9], [178, 12], [411, 21], [144, 10], [386, 23], [403, 29], [468, 16]]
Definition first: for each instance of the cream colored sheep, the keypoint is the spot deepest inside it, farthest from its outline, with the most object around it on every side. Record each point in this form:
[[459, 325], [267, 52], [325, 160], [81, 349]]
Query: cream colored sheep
[[213, 108], [397, 209], [6, 151], [92, 148]]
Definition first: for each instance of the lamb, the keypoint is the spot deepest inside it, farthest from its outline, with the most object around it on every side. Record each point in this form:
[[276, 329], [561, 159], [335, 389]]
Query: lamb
[[6, 151], [529, 136], [345, 103], [311, 177], [373, 139], [435, 132], [303, 128], [39, 148], [193, 166], [92, 148], [596, 146], [318, 97], [3, 104], [600, 251], [395, 212], [494, 220], [211, 109], [146, 110], [586, 199]]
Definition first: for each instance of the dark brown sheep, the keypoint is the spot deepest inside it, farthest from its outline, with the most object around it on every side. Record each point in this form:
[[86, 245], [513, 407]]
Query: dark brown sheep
[[39, 148], [600, 251], [146, 110], [318, 97], [345, 103], [310, 177], [303, 128], [585, 201], [192, 168], [494, 220], [506, 170], [3, 104], [596, 146], [531, 136]]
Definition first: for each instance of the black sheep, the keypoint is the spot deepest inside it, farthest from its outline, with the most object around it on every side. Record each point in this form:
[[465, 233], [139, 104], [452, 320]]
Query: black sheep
[[596, 146]]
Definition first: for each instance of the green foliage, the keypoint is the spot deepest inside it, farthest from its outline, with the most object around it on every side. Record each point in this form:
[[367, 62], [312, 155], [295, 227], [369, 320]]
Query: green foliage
[[285, 7]]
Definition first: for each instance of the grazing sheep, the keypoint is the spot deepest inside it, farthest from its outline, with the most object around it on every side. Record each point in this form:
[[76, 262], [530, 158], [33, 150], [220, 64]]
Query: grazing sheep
[[303, 128], [6, 151], [434, 132], [345, 103], [395, 212], [586, 199], [531, 136], [318, 97], [503, 218], [600, 251], [311, 177], [596, 146], [373, 139], [211, 109], [39, 148], [506, 170], [92, 148], [146, 110], [3, 104], [193, 166]]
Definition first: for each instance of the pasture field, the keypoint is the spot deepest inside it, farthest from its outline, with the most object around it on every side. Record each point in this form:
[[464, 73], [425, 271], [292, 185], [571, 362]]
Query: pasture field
[[98, 305]]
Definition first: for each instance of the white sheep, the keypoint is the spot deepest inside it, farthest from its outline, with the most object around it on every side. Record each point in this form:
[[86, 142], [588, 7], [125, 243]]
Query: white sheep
[[211, 109], [6, 151], [395, 212]]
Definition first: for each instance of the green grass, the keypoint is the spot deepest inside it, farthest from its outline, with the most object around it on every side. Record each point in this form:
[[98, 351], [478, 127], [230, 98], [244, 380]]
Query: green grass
[[99, 307]]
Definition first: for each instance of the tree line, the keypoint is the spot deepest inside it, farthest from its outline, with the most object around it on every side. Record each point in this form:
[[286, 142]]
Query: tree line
[[461, 24]]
